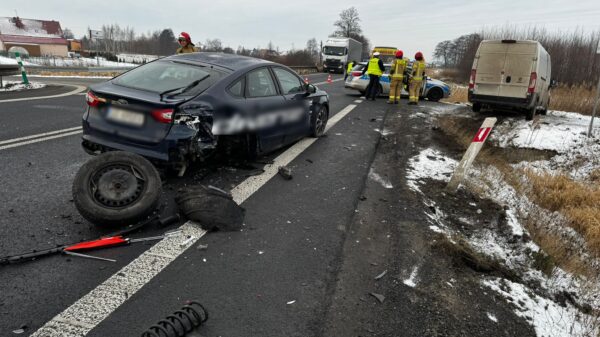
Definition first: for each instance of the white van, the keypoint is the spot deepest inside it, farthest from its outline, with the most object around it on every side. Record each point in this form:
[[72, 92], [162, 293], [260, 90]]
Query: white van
[[511, 74]]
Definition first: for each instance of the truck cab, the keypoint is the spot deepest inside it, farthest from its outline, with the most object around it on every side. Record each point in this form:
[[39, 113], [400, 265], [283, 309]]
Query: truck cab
[[337, 52]]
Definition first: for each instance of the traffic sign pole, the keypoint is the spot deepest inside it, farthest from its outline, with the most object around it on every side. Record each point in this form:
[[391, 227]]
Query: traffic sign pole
[[469, 156], [589, 134], [23, 73]]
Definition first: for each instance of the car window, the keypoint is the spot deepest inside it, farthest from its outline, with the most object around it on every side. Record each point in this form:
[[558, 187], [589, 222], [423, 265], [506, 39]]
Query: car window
[[289, 82], [161, 76], [237, 88], [259, 83]]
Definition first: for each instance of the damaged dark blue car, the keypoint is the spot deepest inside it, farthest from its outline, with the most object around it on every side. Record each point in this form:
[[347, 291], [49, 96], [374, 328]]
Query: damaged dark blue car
[[182, 108]]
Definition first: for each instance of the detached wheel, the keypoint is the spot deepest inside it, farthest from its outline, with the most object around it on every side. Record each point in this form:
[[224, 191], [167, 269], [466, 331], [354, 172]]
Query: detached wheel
[[116, 188], [319, 121], [435, 94]]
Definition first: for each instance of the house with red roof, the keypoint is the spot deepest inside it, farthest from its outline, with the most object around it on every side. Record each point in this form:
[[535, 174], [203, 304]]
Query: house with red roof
[[34, 37]]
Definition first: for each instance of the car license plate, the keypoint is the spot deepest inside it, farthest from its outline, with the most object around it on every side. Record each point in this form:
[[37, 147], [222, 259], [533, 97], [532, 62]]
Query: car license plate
[[125, 116]]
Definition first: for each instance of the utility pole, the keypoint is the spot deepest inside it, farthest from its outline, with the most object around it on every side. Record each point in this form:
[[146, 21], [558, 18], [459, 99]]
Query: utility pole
[[321, 54], [596, 100]]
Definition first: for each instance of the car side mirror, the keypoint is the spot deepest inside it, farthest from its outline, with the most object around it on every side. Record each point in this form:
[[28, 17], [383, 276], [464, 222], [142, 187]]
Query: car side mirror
[[310, 89]]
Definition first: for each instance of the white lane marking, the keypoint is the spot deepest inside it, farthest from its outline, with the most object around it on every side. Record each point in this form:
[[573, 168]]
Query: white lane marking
[[33, 141], [14, 140], [73, 92], [358, 101], [86, 313]]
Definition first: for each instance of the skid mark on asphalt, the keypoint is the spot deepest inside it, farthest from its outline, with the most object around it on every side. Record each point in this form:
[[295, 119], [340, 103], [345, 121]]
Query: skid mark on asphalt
[[78, 89], [41, 137], [82, 316]]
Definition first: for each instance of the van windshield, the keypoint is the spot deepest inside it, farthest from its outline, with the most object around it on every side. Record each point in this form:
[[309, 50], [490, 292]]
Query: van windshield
[[163, 76]]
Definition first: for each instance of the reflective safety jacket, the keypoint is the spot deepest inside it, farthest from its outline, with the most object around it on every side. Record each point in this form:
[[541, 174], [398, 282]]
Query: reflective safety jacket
[[350, 66], [418, 69], [398, 68], [375, 67]]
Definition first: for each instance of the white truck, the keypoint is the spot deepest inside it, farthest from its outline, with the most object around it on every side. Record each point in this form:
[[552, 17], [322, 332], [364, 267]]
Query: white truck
[[511, 74], [337, 52]]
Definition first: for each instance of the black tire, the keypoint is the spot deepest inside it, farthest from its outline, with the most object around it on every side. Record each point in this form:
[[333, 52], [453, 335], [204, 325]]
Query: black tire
[[529, 114], [476, 107], [137, 183], [319, 121], [435, 94]]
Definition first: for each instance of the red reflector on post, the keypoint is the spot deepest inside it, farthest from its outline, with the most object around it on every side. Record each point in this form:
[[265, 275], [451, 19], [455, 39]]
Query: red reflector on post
[[482, 135], [163, 115]]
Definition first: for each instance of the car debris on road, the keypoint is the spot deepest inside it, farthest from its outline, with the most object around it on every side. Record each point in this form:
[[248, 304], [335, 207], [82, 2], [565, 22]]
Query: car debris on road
[[285, 172]]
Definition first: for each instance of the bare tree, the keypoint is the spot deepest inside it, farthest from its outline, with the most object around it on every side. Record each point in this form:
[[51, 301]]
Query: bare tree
[[312, 48], [214, 45], [67, 34], [348, 23]]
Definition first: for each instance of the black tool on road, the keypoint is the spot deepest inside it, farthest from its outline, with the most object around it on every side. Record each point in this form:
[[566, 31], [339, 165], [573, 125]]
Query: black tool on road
[[110, 240]]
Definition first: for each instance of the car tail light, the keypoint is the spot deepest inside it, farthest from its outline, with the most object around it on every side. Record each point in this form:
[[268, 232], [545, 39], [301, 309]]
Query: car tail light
[[472, 79], [357, 73], [93, 100], [532, 83], [163, 115]]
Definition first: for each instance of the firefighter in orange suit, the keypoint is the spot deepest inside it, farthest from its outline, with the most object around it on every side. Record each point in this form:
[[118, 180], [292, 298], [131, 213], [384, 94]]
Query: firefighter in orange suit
[[397, 77], [416, 81]]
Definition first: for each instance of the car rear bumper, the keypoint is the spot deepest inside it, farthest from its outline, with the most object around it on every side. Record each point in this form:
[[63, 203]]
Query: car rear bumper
[[514, 102]]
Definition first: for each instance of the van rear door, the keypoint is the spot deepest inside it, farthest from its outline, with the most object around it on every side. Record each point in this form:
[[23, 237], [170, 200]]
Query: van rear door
[[490, 64], [517, 69]]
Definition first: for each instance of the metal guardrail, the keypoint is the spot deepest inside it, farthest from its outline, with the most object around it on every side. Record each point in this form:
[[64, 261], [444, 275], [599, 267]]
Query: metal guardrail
[[302, 70], [8, 70]]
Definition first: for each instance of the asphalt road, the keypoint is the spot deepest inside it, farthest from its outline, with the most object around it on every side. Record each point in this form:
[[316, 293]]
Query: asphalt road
[[37, 213], [302, 266]]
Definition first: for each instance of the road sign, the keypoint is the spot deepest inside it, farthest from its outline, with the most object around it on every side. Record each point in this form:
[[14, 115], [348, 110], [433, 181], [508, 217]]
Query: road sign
[[96, 34], [466, 161], [482, 135]]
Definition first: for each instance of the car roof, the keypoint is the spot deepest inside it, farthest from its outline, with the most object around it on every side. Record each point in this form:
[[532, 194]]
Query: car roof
[[229, 61]]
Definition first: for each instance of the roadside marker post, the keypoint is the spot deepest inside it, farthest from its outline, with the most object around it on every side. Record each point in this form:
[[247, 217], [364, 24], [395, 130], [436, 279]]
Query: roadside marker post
[[23, 73], [589, 134], [469, 156]]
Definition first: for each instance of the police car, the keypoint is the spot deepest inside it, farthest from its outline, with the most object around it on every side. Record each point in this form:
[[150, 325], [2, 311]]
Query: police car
[[433, 89]]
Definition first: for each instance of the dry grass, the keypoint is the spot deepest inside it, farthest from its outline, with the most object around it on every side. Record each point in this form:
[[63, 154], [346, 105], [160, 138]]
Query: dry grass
[[458, 94], [579, 98], [578, 202]]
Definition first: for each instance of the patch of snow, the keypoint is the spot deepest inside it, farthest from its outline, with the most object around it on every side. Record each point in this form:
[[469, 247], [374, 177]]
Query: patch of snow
[[492, 317], [376, 177], [383, 132], [18, 86], [8, 61], [429, 164], [547, 317], [436, 229], [411, 281], [78, 62], [514, 223], [66, 76]]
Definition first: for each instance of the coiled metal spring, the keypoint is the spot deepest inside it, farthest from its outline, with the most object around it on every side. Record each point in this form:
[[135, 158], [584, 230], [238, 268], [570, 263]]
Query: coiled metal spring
[[180, 323]]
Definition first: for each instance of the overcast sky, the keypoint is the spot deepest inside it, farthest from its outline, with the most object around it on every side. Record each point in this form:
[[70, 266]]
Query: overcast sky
[[408, 25]]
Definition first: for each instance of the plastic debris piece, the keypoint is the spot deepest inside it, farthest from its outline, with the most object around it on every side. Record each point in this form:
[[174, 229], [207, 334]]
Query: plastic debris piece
[[202, 247], [285, 172], [379, 297], [291, 302], [378, 277], [187, 241], [260, 252]]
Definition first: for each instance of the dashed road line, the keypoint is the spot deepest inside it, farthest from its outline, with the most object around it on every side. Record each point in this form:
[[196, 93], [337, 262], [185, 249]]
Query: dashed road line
[[86, 313]]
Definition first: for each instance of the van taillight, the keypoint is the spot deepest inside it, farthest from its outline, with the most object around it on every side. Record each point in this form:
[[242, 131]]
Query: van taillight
[[163, 115], [93, 100], [472, 79], [532, 83]]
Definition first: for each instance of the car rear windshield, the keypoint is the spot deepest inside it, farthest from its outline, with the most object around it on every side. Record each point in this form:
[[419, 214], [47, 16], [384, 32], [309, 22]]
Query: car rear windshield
[[162, 76]]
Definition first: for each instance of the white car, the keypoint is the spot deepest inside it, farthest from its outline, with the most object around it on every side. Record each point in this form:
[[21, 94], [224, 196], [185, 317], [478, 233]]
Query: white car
[[433, 89]]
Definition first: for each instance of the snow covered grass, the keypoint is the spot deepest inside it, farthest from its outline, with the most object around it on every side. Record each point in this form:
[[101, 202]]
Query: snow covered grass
[[547, 317], [554, 201], [8, 60], [78, 62], [17, 86]]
